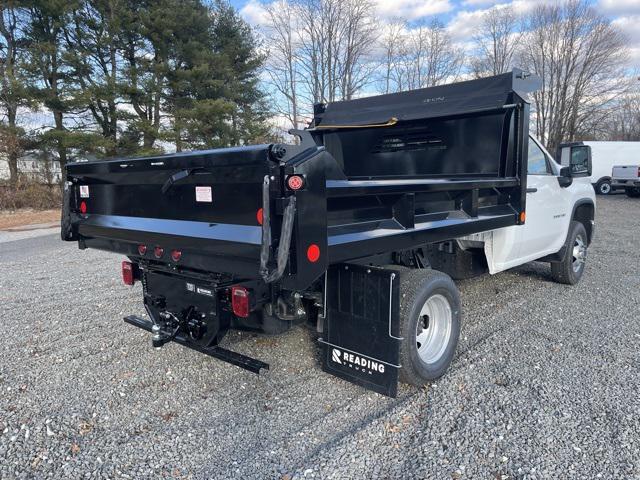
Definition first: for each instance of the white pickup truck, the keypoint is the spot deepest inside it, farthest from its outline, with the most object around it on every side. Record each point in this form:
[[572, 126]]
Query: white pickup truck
[[627, 177], [559, 220]]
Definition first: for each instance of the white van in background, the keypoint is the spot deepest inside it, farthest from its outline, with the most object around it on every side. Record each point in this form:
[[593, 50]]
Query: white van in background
[[606, 155]]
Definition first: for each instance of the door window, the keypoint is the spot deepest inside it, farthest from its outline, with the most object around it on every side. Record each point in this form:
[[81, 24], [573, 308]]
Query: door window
[[537, 160]]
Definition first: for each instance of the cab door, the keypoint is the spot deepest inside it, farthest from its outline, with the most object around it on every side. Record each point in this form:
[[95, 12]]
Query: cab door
[[547, 209]]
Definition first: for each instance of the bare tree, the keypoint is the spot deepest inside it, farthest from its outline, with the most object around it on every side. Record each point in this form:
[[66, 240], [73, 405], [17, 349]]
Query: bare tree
[[320, 24], [495, 46], [581, 58], [430, 57], [283, 65], [357, 35], [393, 50], [623, 119], [319, 51], [336, 41]]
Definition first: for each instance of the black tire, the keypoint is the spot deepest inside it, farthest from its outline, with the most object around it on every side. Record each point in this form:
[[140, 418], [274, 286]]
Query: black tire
[[416, 287], [569, 271], [632, 192], [603, 187]]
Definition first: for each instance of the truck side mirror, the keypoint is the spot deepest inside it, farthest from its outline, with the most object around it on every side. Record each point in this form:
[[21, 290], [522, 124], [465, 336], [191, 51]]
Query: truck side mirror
[[577, 158], [565, 178]]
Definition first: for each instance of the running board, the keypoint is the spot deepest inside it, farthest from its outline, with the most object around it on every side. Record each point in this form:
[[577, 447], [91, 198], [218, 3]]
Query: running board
[[223, 354]]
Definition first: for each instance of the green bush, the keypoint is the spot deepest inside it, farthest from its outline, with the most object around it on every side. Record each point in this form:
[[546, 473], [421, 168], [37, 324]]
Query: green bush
[[30, 194]]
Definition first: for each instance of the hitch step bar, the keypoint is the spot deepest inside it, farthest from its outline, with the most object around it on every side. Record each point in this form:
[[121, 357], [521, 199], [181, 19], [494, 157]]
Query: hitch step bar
[[223, 354]]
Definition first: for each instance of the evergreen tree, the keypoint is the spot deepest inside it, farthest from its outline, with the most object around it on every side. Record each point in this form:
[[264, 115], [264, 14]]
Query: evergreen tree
[[123, 77], [238, 66], [48, 66], [93, 46], [13, 85]]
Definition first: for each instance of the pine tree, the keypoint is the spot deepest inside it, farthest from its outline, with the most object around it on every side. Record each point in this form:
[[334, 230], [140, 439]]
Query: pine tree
[[93, 46], [51, 76], [240, 64], [13, 85]]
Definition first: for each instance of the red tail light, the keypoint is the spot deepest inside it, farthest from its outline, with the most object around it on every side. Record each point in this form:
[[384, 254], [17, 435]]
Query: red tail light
[[142, 249], [176, 255], [158, 252], [127, 273], [240, 301], [295, 182], [83, 207], [313, 253], [260, 216]]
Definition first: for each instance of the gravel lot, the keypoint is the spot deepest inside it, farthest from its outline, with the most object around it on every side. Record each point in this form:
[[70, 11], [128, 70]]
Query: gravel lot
[[545, 384]]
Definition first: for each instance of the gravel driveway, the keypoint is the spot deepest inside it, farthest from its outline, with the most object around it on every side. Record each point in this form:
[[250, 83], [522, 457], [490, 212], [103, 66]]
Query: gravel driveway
[[546, 382]]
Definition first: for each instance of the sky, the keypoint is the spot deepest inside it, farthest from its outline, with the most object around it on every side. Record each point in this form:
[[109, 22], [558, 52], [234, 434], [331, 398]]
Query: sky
[[463, 17]]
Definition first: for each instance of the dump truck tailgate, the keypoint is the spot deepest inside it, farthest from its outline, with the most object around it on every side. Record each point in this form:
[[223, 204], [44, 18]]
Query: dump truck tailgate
[[205, 204]]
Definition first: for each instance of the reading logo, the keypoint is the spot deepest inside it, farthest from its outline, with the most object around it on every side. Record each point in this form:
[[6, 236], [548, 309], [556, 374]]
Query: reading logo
[[356, 362], [335, 356]]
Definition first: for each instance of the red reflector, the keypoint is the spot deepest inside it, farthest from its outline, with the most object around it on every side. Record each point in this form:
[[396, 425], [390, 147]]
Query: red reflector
[[127, 273], [158, 252], [240, 301], [295, 182], [259, 216], [313, 253], [83, 207], [142, 249], [176, 255]]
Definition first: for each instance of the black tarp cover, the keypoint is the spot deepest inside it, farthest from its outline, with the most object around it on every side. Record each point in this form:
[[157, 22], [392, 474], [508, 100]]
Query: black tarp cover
[[444, 100]]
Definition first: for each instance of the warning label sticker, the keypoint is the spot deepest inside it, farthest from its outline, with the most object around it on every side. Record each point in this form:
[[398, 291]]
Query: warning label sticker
[[84, 191], [203, 194]]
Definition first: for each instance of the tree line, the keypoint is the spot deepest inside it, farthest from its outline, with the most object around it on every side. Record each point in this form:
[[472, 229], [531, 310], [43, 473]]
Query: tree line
[[326, 50], [127, 77], [136, 77]]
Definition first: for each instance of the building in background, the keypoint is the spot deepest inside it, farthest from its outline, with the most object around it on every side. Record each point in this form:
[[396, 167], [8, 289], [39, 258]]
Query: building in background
[[34, 166]]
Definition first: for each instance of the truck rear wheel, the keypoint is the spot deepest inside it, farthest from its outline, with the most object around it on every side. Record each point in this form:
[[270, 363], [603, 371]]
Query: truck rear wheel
[[632, 192], [569, 271], [429, 325], [603, 187]]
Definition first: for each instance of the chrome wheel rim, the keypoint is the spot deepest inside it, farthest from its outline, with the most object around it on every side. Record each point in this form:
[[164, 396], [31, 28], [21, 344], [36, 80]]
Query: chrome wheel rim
[[433, 330], [605, 188], [579, 253]]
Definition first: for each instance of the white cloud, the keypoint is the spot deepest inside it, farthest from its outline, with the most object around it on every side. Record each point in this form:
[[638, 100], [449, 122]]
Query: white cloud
[[629, 26], [479, 3], [254, 13], [411, 9], [634, 57], [465, 25], [620, 7]]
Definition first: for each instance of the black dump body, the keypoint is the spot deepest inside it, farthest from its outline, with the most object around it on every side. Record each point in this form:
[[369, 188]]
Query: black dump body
[[381, 174], [378, 176]]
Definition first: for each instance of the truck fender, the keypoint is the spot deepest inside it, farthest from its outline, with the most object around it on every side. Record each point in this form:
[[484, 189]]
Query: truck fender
[[584, 211]]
